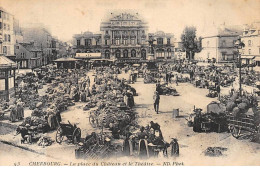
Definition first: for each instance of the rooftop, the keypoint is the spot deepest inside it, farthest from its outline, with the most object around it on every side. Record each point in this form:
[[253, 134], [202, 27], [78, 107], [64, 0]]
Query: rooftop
[[30, 47], [223, 30], [6, 63]]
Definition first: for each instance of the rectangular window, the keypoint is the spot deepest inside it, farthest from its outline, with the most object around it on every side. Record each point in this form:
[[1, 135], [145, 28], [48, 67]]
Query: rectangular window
[[224, 56], [4, 26], [0, 25], [87, 42], [125, 41], [249, 51], [9, 38], [243, 51], [17, 47], [78, 42], [117, 42], [0, 14], [143, 41], [160, 41], [168, 41], [105, 42], [249, 43], [4, 50], [132, 41], [259, 50]]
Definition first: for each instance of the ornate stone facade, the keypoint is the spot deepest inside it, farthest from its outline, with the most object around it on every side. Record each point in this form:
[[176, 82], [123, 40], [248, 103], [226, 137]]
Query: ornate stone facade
[[124, 36]]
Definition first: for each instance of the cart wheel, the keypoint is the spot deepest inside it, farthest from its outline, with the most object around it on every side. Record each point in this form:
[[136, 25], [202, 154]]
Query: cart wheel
[[93, 121], [76, 135], [235, 131], [59, 136]]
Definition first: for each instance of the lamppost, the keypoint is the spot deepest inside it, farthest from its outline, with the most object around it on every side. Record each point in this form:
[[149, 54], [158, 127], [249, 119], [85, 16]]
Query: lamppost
[[239, 45]]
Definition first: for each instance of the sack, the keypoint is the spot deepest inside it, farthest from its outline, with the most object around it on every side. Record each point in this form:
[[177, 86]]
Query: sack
[[230, 106]]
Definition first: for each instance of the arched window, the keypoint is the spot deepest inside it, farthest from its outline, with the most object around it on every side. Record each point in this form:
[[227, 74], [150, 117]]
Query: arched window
[[143, 54], [118, 53], [133, 53], [107, 54], [125, 53], [168, 52]]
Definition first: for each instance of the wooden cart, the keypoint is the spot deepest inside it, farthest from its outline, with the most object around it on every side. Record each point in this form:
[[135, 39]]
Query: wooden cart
[[242, 125], [72, 132]]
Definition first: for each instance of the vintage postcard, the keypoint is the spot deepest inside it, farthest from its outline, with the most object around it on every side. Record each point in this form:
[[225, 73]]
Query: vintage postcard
[[129, 83]]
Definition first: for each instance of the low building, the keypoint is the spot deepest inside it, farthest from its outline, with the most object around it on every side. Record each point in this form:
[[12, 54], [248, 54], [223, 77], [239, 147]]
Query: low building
[[42, 38], [87, 42], [163, 45], [251, 38], [7, 78], [28, 55], [218, 44]]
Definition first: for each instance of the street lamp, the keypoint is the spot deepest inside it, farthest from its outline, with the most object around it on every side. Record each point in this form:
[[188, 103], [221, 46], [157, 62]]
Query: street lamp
[[239, 45]]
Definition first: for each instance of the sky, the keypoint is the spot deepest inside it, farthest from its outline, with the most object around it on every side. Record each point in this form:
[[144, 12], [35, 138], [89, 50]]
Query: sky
[[67, 17]]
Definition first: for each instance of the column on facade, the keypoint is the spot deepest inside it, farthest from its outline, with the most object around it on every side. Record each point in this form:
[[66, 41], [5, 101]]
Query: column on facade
[[112, 37], [129, 37], [121, 40], [136, 37]]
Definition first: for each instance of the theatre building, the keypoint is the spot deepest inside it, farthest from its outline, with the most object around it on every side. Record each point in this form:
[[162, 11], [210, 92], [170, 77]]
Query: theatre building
[[124, 37]]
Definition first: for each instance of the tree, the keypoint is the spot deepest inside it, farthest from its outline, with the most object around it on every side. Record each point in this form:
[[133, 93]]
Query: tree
[[190, 42]]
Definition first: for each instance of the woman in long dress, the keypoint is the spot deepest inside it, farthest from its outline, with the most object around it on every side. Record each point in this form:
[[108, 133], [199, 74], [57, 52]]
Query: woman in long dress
[[20, 109], [13, 114]]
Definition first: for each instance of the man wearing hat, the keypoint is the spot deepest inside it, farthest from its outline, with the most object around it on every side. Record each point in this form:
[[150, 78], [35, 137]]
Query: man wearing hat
[[156, 99]]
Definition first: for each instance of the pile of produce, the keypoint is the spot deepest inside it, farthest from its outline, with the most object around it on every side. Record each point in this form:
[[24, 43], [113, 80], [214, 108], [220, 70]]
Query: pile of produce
[[39, 124], [238, 105], [110, 99], [250, 79], [44, 141], [150, 78], [167, 90], [214, 151]]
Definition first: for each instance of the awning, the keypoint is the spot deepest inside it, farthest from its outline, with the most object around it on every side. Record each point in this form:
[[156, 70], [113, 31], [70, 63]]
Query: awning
[[247, 57], [257, 59], [88, 55], [66, 60], [6, 63]]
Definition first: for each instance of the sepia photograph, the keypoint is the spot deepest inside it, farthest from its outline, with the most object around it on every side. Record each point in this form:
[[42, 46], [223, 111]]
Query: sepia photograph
[[129, 83]]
